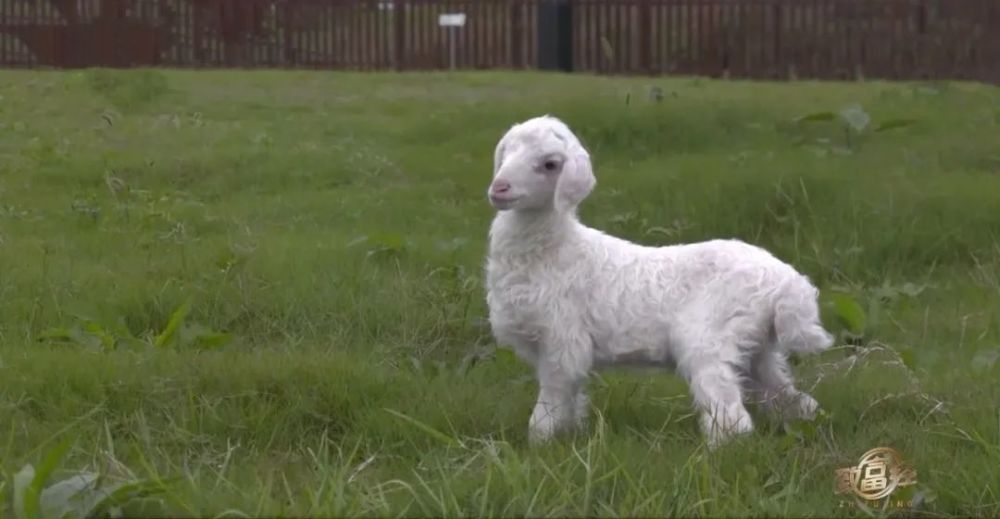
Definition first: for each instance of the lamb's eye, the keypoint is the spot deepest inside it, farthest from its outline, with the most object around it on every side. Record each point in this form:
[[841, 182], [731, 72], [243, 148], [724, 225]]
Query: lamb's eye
[[550, 165]]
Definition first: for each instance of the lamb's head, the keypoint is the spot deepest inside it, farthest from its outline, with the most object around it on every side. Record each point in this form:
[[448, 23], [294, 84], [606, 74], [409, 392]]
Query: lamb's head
[[539, 164]]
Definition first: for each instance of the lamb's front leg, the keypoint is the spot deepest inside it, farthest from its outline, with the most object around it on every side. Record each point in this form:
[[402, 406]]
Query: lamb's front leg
[[562, 401]]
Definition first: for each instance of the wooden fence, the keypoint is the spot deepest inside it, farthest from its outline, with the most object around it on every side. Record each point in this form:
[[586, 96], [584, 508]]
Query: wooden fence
[[902, 39]]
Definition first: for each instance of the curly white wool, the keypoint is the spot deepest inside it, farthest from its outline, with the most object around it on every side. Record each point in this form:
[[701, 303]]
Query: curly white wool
[[568, 298]]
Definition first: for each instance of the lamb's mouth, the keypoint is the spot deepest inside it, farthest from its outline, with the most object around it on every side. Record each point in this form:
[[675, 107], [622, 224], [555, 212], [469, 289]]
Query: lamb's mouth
[[503, 202]]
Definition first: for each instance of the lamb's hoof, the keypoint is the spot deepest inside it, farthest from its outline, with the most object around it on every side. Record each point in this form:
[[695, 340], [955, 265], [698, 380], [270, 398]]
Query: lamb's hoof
[[801, 406], [721, 438], [541, 430], [539, 437], [806, 407], [719, 433]]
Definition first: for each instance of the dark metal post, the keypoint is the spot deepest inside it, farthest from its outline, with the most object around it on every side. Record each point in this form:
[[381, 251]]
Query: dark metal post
[[555, 35]]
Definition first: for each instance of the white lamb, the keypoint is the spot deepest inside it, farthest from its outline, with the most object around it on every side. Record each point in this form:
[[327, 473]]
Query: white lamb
[[568, 298]]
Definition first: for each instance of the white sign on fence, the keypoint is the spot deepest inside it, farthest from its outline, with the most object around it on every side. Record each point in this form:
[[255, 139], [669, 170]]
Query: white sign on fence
[[452, 20]]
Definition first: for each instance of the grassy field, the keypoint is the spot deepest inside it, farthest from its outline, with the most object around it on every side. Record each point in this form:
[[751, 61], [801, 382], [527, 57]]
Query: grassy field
[[263, 290]]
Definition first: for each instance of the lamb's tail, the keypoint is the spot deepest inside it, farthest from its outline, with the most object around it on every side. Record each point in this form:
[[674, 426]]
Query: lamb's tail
[[797, 324]]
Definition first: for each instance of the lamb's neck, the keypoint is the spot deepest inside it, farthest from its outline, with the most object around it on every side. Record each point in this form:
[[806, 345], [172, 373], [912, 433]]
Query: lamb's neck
[[517, 234]]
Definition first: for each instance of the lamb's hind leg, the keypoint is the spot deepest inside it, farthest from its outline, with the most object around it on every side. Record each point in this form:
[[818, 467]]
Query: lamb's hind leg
[[715, 386], [774, 388]]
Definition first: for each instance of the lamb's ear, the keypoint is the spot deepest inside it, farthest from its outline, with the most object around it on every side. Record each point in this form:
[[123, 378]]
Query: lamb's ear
[[576, 180]]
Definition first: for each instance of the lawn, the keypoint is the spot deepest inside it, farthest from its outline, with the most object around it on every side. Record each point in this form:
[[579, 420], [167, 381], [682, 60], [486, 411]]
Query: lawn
[[261, 292]]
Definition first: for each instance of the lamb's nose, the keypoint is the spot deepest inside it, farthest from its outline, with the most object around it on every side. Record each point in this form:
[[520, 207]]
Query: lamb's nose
[[501, 186]]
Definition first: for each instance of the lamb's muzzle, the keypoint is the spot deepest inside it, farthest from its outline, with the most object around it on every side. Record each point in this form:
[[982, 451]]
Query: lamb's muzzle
[[500, 195]]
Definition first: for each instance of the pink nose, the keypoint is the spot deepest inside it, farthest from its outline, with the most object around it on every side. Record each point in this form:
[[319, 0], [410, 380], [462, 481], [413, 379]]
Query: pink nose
[[500, 186]]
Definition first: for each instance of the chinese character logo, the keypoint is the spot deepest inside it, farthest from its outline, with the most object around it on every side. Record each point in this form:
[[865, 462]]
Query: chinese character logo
[[878, 474]]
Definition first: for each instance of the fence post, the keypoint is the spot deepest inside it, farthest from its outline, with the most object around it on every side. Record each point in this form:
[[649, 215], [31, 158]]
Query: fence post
[[514, 35], [646, 22], [288, 51], [555, 38], [197, 52], [116, 13], [399, 21], [779, 63]]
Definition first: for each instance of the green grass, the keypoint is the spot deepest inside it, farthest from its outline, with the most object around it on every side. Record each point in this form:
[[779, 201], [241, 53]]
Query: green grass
[[334, 226]]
